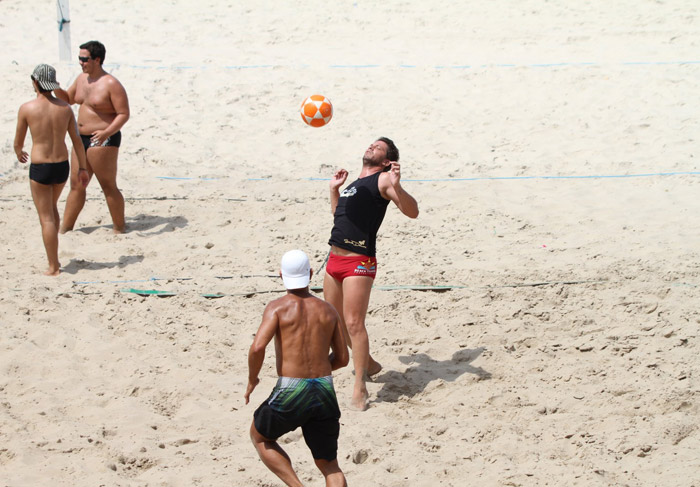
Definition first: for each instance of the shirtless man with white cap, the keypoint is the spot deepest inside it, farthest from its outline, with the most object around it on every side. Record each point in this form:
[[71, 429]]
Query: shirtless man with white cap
[[305, 329]]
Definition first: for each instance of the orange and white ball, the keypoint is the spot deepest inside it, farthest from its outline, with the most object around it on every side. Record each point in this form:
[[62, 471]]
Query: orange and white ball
[[316, 110]]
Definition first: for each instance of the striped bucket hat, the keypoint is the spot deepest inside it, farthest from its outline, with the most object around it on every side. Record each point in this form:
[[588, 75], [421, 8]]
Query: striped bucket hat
[[45, 76]]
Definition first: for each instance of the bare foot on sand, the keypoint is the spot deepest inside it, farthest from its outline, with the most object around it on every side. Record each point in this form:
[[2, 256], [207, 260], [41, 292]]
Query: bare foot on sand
[[359, 402], [52, 272]]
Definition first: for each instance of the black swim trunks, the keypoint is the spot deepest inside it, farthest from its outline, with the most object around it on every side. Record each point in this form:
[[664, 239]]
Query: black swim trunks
[[49, 172], [309, 403], [112, 141]]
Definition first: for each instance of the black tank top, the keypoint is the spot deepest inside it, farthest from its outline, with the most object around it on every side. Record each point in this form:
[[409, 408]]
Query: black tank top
[[358, 216]]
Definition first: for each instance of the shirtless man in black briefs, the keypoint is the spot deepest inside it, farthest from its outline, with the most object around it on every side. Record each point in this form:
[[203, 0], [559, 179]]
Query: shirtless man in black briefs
[[48, 119], [104, 109]]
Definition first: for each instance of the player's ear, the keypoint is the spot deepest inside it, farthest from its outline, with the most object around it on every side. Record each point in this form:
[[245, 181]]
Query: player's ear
[[311, 274]]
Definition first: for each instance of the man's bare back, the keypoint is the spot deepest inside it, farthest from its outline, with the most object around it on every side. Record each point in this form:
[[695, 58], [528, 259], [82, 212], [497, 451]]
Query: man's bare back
[[305, 328], [49, 120]]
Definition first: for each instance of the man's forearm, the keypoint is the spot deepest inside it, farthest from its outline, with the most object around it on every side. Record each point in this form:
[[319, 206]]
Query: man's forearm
[[117, 123], [406, 203], [255, 361], [335, 196], [337, 362]]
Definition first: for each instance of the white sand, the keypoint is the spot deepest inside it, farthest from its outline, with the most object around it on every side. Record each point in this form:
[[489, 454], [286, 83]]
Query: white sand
[[565, 351]]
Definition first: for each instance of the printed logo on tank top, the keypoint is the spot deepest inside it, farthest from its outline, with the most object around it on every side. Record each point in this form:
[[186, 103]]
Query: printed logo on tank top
[[361, 243], [347, 192]]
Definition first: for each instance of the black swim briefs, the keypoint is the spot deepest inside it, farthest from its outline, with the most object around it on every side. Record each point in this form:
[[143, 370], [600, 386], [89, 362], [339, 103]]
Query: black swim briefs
[[112, 141], [49, 172]]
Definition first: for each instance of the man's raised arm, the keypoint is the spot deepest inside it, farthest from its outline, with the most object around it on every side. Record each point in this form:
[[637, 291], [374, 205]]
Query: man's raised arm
[[67, 96], [390, 187]]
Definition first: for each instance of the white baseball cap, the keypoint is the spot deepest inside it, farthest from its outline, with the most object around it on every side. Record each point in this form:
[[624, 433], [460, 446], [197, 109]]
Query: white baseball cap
[[296, 271]]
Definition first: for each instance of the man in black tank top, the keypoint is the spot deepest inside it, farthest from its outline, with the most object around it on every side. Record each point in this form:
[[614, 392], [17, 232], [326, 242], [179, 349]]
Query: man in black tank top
[[358, 213]]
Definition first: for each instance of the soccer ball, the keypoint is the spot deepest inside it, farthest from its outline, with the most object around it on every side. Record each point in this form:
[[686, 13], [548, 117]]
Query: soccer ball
[[316, 111]]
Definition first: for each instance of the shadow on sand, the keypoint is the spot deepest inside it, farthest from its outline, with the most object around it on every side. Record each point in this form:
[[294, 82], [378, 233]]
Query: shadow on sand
[[76, 265], [145, 225], [155, 225], [424, 370]]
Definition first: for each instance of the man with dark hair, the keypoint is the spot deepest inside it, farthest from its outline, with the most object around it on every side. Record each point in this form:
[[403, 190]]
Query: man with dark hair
[[352, 265], [305, 329], [392, 152], [104, 109], [96, 49]]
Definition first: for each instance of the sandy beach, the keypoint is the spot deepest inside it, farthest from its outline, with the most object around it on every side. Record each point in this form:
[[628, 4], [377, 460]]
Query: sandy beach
[[537, 323]]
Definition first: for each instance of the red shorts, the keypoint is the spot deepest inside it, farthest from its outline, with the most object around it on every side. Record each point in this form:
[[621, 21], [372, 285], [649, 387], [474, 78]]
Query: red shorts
[[341, 266]]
